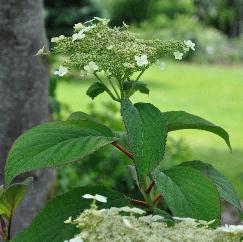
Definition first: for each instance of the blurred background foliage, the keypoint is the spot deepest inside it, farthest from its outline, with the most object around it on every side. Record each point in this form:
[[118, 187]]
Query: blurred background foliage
[[196, 86]]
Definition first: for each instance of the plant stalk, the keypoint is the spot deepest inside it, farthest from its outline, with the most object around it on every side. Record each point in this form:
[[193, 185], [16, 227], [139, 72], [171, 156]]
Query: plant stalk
[[114, 88], [122, 149], [107, 89], [140, 74]]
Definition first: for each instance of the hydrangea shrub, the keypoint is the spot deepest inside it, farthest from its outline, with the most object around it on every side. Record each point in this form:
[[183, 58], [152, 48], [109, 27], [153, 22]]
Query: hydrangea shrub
[[117, 59]]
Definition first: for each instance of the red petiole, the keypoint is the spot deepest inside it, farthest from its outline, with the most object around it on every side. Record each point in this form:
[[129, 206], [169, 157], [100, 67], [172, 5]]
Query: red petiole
[[148, 190], [122, 149], [139, 202]]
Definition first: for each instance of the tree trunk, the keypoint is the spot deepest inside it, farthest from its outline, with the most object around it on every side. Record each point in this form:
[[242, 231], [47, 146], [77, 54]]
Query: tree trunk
[[23, 91]]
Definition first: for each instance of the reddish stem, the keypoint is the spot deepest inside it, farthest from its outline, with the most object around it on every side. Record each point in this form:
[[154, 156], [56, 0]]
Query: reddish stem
[[148, 190], [122, 149], [157, 198], [139, 202]]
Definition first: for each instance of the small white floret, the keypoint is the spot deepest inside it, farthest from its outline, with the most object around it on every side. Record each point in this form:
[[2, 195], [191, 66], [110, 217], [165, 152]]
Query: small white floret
[[78, 36], [184, 219], [131, 210], [96, 197], [127, 223], [189, 44], [78, 26], [100, 198], [40, 51], [57, 39], [104, 21], [125, 25], [61, 71], [137, 210], [88, 28], [91, 67], [88, 196], [141, 60], [77, 239], [178, 55], [68, 221]]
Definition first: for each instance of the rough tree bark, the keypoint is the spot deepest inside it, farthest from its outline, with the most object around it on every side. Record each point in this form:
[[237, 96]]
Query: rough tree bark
[[23, 91]]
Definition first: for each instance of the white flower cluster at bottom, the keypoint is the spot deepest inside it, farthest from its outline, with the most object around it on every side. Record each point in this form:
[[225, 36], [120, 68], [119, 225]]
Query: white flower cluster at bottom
[[116, 224]]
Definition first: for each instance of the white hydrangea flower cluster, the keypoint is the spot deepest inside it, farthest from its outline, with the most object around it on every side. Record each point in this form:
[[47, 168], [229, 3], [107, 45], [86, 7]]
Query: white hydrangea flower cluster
[[112, 49], [111, 225], [95, 47]]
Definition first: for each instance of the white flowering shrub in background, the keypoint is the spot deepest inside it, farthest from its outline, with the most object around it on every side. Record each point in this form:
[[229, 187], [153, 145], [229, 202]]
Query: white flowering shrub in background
[[117, 59]]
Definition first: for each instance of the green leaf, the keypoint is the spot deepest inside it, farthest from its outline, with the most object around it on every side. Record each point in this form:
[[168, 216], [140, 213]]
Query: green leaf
[[225, 188], [10, 197], [131, 87], [81, 116], [188, 193], [177, 120], [147, 132], [95, 89], [49, 224], [55, 144]]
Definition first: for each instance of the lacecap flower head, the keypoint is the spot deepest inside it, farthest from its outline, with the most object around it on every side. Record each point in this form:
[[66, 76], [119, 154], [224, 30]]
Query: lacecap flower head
[[119, 54]]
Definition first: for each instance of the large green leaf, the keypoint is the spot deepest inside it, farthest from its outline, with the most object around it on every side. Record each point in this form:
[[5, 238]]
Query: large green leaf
[[49, 224], [188, 193], [10, 197], [225, 189], [146, 129], [177, 120], [55, 144]]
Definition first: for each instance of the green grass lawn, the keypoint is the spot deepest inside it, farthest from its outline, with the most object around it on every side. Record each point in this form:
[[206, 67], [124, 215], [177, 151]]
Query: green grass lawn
[[213, 92]]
